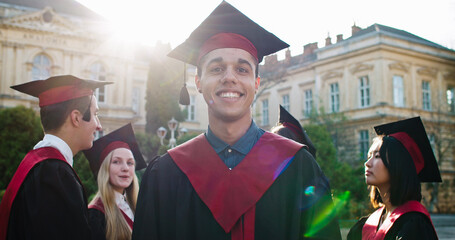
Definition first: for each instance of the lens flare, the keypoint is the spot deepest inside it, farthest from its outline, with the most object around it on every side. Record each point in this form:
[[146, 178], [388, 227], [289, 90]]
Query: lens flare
[[309, 191], [327, 214]]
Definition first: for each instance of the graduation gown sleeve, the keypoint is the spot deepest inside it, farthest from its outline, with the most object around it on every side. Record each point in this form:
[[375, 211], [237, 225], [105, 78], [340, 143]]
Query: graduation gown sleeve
[[294, 207], [97, 221], [49, 205]]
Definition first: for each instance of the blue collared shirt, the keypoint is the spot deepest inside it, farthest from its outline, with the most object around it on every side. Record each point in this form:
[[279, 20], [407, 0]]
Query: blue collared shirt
[[233, 155]]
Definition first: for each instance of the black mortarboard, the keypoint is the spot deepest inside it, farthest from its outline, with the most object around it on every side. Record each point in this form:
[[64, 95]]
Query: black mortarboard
[[59, 88], [411, 133], [226, 27], [120, 138], [288, 121], [227, 19]]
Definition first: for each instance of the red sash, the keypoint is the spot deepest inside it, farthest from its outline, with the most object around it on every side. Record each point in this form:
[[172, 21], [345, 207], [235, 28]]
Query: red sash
[[31, 159], [229, 194], [98, 205], [369, 229]]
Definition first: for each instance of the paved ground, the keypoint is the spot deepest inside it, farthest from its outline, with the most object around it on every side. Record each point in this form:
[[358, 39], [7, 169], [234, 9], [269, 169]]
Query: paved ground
[[444, 224]]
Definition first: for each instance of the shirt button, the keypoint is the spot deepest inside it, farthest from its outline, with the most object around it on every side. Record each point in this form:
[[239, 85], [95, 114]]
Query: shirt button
[[229, 150]]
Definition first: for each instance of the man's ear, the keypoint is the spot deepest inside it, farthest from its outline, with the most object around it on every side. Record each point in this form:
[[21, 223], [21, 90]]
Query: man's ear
[[257, 83], [75, 117], [197, 81]]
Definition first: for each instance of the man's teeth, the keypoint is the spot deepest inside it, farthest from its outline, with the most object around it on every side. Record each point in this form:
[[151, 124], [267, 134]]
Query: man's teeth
[[229, 95]]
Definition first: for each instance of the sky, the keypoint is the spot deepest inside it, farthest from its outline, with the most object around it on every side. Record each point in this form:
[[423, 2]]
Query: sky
[[297, 22]]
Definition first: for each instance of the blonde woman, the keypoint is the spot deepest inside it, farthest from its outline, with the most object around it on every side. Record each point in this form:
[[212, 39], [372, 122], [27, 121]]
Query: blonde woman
[[114, 159]]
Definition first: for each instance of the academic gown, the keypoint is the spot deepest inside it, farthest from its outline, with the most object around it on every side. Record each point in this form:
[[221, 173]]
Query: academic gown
[[411, 225], [97, 220], [50, 204], [296, 204]]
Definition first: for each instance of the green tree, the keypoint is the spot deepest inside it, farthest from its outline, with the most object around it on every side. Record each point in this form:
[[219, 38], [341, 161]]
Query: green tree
[[345, 180], [163, 87], [82, 168], [20, 130]]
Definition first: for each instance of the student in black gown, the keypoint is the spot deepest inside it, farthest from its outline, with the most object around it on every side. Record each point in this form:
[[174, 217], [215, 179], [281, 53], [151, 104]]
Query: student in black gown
[[398, 160], [113, 160], [45, 198], [289, 127], [236, 181]]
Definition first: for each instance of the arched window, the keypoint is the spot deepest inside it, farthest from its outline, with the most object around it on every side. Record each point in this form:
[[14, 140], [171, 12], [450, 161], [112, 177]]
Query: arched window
[[98, 72], [41, 67]]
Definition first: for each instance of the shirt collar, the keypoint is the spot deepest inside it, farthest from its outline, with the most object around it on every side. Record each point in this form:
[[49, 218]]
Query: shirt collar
[[50, 140], [243, 145]]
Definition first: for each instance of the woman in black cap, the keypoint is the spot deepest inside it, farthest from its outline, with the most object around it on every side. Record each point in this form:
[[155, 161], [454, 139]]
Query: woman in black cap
[[113, 159], [398, 160]]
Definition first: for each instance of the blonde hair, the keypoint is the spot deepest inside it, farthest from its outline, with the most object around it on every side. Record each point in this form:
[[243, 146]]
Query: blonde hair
[[116, 225]]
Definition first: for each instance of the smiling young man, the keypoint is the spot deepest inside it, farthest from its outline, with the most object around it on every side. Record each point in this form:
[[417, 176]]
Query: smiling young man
[[45, 198], [236, 181]]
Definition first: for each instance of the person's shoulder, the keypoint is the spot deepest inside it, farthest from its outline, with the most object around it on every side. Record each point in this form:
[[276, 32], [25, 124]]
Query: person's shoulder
[[52, 164], [162, 162], [414, 218], [355, 232]]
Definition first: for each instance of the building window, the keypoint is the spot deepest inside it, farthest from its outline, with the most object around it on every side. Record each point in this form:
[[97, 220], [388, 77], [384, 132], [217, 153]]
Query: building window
[[334, 97], [308, 102], [286, 102], [265, 112], [191, 109], [426, 96], [98, 72], [364, 91], [363, 144], [135, 100], [398, 91], [451, 99], [41, 67]]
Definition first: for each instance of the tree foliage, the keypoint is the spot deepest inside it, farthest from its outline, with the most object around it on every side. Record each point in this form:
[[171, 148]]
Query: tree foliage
[[20, 130], [163, 87], [82, 168], [346, 179]]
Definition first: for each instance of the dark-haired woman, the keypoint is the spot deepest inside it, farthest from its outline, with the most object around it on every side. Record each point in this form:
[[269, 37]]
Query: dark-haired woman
[[398, 160]]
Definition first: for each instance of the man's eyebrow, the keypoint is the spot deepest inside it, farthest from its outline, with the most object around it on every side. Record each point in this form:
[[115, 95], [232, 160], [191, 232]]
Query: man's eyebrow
[[242, 61], [215, 60]]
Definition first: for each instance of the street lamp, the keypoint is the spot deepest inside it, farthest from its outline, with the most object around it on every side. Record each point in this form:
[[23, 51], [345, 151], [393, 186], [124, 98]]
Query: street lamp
[[172, 124], [161, 132], [182, 131]]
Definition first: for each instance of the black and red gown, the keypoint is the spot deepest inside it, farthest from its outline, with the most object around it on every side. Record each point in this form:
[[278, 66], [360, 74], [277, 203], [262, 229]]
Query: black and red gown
[[277, 191], [44, 200], [408, 221], [97, 219]]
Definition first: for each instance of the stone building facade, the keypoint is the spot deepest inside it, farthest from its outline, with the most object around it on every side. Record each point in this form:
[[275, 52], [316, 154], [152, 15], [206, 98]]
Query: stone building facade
[[39, 39]]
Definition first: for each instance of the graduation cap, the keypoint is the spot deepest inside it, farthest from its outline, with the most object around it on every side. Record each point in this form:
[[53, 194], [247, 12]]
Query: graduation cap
[[120, 138], [411, 133], [227, 27], [59, 89], [289, 122]]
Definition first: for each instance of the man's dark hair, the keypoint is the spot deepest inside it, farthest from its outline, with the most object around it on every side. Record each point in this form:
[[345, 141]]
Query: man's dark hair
[[404, 182], [53, 116]]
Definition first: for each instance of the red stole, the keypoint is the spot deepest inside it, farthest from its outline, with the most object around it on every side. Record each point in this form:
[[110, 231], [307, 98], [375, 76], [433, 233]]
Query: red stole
[[231, 194], [369, 229], [98, 205], [31, 159]]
